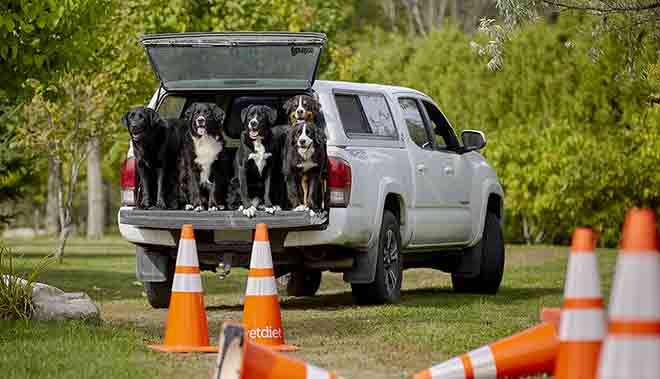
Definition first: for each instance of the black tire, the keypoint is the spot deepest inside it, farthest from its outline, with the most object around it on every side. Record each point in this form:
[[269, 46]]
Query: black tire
[[386, 287], [491, 250], [303, 283], [158, 293]]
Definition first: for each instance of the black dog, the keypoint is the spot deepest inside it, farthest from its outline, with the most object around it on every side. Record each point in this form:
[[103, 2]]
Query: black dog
[[256, 160], [156, 143], [302, 108], [203, 176], [306, 167]]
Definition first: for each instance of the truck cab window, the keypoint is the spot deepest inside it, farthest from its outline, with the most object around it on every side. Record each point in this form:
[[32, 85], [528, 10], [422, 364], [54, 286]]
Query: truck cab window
[[444, 135], [415, 123]]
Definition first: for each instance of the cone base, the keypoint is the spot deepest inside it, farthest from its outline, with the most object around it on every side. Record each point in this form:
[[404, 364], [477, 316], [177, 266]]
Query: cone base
[[183, 349], [283, 348]]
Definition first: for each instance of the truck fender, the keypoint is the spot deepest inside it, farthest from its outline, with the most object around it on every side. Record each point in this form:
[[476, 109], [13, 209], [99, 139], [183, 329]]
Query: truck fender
[[364, 264], [491, 186], [150, 266]]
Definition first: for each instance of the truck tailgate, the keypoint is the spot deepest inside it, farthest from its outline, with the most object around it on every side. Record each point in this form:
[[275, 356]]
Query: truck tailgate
[[220, 220]]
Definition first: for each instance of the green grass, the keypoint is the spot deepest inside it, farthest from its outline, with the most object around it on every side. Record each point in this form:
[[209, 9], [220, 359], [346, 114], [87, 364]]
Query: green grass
[[430, 325]]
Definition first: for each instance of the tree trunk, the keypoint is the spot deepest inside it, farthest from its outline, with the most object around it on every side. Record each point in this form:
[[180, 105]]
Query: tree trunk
[[95, 192], [413, 8], [52, 205]]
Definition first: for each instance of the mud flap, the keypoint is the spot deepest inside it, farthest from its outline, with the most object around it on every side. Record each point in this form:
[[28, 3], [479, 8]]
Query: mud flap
[[364, 266], [469, 263], [150, 266]]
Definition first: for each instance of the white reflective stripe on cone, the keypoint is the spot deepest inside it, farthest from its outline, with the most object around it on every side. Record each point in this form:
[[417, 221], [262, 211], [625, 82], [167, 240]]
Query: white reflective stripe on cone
[[635, 288], [187, 253], [452, 368], [628, 358], [582, 325], [261, 255], [582, 279], [314, 372], [483, 363], [187, 283], [261, 286]]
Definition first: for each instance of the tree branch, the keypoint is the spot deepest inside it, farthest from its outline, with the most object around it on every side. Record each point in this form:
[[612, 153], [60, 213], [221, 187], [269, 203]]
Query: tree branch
[[610, 9]]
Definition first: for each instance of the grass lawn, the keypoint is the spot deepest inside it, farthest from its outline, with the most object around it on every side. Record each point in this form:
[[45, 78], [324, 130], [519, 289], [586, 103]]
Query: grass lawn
[[430, 324]]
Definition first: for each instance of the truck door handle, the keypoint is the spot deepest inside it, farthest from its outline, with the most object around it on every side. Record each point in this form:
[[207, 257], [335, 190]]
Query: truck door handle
[[449, 170], [421, 167]]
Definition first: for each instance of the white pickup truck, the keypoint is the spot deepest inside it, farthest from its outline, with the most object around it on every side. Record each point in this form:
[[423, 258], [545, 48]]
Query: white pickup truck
[[404, 191]]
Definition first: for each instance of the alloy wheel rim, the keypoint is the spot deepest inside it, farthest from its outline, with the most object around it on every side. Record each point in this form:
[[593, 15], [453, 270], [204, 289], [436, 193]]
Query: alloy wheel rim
[[391, 260]]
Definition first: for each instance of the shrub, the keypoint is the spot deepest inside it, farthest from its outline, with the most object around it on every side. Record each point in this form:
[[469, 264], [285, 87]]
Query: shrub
[[16, 293]]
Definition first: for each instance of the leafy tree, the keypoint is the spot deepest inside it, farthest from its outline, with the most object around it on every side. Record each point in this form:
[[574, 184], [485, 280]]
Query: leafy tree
[[60, 120], [38, 39]]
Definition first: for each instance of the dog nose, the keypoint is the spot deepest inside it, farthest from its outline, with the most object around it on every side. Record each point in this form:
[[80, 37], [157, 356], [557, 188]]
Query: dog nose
[[299, 111], [253, 124]]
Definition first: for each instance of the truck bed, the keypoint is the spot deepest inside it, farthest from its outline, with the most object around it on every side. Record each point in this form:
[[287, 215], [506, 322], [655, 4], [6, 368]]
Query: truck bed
[[219, 220]]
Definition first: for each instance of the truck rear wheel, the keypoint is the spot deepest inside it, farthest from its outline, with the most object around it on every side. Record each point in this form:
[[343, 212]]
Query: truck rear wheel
[[491, 252], [386, 287], [303, 283]]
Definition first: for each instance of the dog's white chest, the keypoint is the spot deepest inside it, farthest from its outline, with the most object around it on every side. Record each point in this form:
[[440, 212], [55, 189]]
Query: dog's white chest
[[206, 151], [306, 155], [260, 155]]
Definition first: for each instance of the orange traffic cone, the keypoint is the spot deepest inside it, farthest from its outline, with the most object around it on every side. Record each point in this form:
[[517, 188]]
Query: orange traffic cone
[[186, 329], [552, 315], [261, 312], [529, 352], [632, 346], [240, 358], [582, 326]]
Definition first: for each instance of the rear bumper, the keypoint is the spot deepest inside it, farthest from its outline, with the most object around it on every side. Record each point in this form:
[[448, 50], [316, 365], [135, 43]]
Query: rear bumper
[[349, 228], [222, 220]]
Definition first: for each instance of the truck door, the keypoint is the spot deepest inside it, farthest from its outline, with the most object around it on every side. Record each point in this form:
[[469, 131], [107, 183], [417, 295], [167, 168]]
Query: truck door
[[439, 218], [455, 183]]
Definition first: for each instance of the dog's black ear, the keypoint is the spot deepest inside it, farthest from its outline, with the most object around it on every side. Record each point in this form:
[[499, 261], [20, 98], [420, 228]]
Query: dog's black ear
[[218, 114], [272, 115], [244, 113], [154, 117], [124, 119], [289, 105], [187, 115]]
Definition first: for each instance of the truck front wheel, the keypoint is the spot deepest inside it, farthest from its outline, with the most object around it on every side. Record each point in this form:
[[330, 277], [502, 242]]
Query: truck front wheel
[[386, 287], [491, 252]]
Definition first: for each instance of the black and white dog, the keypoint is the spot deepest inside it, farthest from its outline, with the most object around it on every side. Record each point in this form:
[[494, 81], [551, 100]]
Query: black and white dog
[[305, 168], [156, 143], [202, 175], [257, 159], [302, 108]]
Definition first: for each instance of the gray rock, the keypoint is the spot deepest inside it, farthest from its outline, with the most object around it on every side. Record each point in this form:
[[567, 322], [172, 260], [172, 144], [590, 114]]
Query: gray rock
[[51, 303]]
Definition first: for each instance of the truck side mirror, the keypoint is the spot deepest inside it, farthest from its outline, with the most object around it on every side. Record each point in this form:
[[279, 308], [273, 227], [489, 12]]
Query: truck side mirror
[[473, 140]]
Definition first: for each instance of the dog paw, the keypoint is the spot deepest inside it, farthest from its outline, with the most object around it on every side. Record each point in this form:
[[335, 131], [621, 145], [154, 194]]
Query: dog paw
[[221, 207], [213, 209], [199, 208], [312, 213], [240, 209], [250, 212], [271, 210], [300, 208], [189, 207]]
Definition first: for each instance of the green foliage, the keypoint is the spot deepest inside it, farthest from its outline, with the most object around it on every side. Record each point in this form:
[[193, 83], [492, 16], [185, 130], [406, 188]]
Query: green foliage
[[16, 293], [40, 38], [571, 138]]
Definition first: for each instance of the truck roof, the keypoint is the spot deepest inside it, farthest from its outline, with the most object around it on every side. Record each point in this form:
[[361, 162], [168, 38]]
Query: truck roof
[[329, 85]]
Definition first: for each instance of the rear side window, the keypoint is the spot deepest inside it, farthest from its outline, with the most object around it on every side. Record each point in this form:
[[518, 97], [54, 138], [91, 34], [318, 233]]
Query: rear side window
[[171, 106], [365, 115]]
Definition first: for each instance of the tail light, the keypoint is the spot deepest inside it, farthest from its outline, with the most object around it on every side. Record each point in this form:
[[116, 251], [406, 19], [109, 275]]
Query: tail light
[[127, 182], [339, 183]]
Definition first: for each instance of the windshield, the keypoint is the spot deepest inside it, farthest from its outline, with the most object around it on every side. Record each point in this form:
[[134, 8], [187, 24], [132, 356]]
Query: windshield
[[225, 63]]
